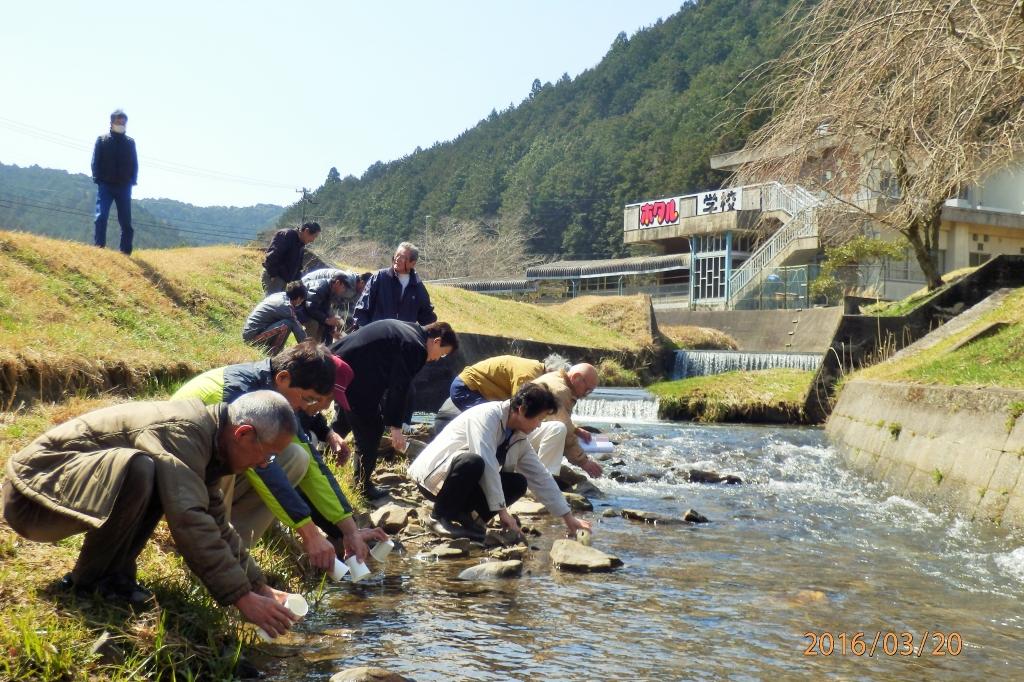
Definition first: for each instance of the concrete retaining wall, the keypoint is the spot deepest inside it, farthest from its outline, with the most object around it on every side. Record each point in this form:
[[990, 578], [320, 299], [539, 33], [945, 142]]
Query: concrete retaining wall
[[778, 331], [958, 448]]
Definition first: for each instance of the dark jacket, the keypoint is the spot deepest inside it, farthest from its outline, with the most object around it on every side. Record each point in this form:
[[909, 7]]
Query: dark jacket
[[114, 161], [76, 469], [284, 255], [385, 356], [383, 299], [318, 292]]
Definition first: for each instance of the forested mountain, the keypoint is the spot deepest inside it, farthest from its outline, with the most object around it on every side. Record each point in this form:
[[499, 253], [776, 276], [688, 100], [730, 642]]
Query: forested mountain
[[565, 161], [56, 203]]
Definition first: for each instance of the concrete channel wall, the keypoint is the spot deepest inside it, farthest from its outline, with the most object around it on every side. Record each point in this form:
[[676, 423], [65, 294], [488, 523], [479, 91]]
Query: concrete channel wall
[[948, 447], [808, 330]]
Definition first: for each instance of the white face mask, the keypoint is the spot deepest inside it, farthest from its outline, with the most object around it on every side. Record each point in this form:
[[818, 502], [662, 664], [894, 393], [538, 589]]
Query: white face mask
[[117, 129]]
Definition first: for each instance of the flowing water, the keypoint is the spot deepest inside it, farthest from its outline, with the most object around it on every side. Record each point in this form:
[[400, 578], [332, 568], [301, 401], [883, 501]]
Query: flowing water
[[627, 404], [698, 363], [802, 546]]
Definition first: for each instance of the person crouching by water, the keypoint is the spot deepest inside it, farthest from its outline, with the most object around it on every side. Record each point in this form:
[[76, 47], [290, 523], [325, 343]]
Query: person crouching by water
[[270, 322], [112, 474], [483, 462]]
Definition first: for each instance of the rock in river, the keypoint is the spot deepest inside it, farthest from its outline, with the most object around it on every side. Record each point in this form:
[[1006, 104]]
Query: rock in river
[[368, 674], [569, 555], [653, 517], [492, 570]]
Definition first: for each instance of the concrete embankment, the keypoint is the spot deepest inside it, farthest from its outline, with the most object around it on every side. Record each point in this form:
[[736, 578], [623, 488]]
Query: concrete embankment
[[955, 447]]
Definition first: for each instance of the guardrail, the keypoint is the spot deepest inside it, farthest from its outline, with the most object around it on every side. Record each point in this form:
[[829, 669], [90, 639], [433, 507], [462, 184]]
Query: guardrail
[[800, 205]]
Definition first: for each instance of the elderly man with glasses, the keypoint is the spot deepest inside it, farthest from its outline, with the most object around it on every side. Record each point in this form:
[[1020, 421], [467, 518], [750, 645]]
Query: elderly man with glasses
[[112, 473], [299, 488], [396, 293]]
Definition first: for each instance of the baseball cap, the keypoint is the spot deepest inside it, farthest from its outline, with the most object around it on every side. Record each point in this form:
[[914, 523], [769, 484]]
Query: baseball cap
[[343, 376]]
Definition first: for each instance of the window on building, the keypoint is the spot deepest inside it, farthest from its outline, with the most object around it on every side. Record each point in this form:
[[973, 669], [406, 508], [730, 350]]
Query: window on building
[[977, 259]]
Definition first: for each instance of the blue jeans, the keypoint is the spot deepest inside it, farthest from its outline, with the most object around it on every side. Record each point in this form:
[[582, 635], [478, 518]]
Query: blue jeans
[[463, 396], [121, 195]]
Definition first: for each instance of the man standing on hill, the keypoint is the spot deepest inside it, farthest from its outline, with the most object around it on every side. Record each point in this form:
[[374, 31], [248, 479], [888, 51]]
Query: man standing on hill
[[115, 168], [396, 293], [283, 262]]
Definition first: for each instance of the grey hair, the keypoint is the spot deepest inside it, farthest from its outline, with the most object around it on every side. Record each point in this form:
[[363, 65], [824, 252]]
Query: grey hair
[[414, 252], [266, 411], [555, 363]]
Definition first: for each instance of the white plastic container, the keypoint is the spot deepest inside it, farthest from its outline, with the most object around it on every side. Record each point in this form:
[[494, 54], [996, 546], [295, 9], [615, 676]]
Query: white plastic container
[[358, 568], [381, 550]]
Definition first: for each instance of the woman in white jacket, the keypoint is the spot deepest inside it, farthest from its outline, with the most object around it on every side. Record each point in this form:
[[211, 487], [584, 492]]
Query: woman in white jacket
[[483, 462]]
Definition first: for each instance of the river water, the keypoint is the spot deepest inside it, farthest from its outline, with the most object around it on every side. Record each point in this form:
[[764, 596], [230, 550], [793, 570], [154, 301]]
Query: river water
[[802, 546]]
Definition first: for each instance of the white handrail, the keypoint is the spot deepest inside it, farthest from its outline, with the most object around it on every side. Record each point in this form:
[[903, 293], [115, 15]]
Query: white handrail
[[800, 205]]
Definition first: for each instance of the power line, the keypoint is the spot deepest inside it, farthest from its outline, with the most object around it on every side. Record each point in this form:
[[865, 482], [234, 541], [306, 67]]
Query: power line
[[169, 166], [54, 208]]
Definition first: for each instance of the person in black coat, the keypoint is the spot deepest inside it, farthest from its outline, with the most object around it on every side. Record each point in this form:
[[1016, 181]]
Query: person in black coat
[[115, 169], [385, 356], [396, 293], [283, 262]]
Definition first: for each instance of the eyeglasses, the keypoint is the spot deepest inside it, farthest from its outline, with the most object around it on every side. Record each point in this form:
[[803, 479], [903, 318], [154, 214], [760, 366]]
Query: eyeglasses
[[268, 459], [308, 400]]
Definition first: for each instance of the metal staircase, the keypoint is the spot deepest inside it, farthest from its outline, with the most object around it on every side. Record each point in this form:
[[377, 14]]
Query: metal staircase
[[800, 205]]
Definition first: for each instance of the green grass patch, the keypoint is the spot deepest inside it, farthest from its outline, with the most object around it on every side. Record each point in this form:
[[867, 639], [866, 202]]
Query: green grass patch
[[996, 359], [766, 395]]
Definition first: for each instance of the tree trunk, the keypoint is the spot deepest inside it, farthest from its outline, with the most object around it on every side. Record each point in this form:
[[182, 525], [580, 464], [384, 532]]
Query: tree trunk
[[923, 235]]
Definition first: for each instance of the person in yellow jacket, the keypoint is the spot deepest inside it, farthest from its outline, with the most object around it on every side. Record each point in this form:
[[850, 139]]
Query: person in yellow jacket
[[501, 377]]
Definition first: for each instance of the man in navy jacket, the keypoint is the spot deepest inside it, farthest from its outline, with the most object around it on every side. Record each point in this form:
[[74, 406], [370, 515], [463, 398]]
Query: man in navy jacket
[[396, 293], [115, 169], [385, 356]]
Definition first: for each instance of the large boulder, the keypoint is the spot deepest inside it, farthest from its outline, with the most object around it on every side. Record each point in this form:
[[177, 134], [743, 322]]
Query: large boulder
[[569, 555], [492, 570]]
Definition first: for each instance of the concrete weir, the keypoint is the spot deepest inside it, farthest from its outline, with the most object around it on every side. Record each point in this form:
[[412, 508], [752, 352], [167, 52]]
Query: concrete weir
[[955, 447]]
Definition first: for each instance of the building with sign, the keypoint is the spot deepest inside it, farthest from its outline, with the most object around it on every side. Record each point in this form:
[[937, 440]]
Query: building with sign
[[759, 246]]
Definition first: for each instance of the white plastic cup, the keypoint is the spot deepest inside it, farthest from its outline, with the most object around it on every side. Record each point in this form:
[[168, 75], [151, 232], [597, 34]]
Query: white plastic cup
[[295, 603], [338, 571], [583, 537], [358, 568], [381, 550]]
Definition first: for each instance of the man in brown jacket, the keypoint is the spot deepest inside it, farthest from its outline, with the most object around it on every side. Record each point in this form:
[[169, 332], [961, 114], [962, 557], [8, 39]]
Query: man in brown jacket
[[112, 474], [568, 387]]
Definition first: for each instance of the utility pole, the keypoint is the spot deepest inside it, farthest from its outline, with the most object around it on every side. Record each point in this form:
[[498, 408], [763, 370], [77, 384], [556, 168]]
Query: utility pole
[[303, 201]]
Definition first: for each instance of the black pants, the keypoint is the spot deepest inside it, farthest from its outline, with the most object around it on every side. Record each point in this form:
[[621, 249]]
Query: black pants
[[462, 493], [366, 430], [113, 548]]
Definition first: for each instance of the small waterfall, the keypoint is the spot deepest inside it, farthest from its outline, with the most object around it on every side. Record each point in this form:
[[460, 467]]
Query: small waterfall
[[618, 404], [696, 363]]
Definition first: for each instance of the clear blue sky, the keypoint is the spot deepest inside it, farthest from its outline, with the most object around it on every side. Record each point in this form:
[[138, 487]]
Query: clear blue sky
[[272, 94]]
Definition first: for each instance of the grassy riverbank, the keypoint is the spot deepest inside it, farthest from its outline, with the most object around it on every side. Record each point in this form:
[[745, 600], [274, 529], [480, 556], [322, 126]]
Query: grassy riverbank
[[987, 352], [775, 395], [75, 319]]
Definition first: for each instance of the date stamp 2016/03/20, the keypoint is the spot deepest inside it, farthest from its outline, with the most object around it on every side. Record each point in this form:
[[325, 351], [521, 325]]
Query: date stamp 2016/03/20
[[881, 643]]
